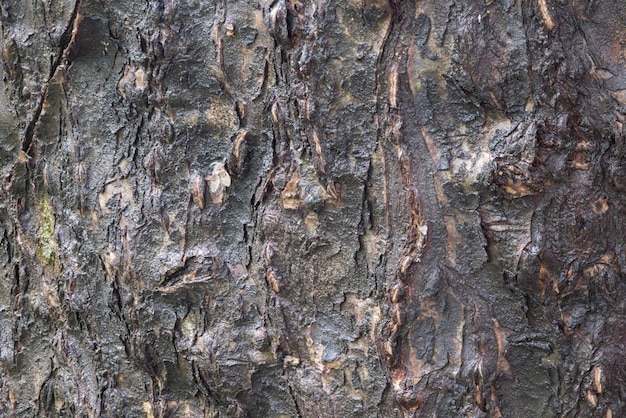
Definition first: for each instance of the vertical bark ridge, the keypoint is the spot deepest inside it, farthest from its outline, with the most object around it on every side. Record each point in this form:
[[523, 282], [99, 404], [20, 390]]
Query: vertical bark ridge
[[488, 289]]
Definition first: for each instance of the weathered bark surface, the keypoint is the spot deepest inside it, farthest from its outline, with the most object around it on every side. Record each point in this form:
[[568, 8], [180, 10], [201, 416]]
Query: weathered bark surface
[[504, 127], [313, 209]]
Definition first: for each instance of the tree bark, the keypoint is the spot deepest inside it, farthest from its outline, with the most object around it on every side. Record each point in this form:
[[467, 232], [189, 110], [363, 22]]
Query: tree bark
[[310, 209]]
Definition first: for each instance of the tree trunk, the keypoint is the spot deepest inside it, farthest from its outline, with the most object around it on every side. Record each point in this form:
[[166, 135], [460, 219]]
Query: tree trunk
[[314, 209]]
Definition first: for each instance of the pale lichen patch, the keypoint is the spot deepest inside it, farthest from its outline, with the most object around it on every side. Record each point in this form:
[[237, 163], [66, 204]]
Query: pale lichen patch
[[119, 188]]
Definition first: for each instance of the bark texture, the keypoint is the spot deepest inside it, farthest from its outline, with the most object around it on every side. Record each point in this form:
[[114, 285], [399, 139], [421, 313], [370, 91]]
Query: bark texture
[[299, 208]]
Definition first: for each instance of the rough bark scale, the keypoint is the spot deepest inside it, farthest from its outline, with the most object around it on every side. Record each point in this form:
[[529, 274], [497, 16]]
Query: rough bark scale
[[312, 209]]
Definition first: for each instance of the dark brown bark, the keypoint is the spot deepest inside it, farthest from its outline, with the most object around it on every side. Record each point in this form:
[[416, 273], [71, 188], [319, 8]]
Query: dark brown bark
[[308, 209]]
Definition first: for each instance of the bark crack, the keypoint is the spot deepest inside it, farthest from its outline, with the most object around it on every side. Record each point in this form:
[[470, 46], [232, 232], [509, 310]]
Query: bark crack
[[295, 401], [66, 39]]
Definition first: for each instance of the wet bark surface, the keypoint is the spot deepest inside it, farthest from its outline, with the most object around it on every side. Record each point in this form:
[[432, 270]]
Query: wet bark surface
[[312, 209]]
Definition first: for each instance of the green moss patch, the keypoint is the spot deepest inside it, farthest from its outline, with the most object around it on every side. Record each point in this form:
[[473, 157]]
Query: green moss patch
[[46, 244]]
